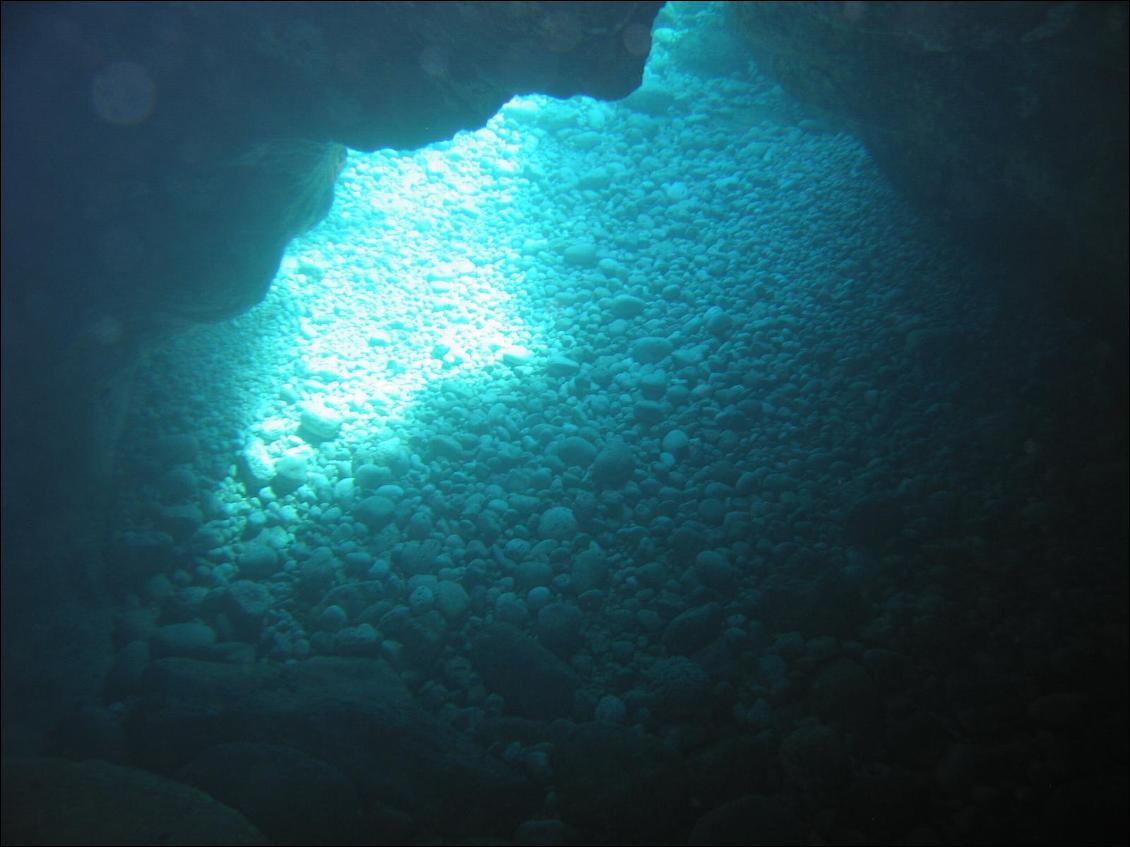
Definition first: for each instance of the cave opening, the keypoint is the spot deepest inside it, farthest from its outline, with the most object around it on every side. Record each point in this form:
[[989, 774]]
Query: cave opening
[[647, 471]]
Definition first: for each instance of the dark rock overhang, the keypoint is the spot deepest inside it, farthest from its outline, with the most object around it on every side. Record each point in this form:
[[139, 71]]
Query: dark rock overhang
[[158, 157], [1005, 122]]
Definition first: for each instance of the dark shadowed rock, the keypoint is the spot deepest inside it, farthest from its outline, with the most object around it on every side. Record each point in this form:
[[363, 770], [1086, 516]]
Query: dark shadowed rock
[[620, 787], [749, 820], [533, 682], [293, 797], [693, 629], [352, 714], [53, 801], [974, 111]]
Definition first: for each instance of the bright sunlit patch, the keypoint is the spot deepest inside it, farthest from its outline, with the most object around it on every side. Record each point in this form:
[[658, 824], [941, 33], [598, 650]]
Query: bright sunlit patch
[[413, 277]]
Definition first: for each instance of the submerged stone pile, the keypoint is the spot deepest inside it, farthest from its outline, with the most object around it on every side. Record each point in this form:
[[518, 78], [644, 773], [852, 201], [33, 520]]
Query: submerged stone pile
[[653, 438]]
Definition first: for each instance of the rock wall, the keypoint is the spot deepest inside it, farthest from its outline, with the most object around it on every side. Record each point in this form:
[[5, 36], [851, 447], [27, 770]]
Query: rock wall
[[1004, 121], [158, 157]]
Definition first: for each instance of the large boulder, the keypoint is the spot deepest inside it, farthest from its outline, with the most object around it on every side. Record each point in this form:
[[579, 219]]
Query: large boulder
[[337, 725], [532, 681], [54, 801]]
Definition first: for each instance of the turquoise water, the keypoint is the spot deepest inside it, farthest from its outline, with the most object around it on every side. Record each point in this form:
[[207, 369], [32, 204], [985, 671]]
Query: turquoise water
[[656, 447]]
